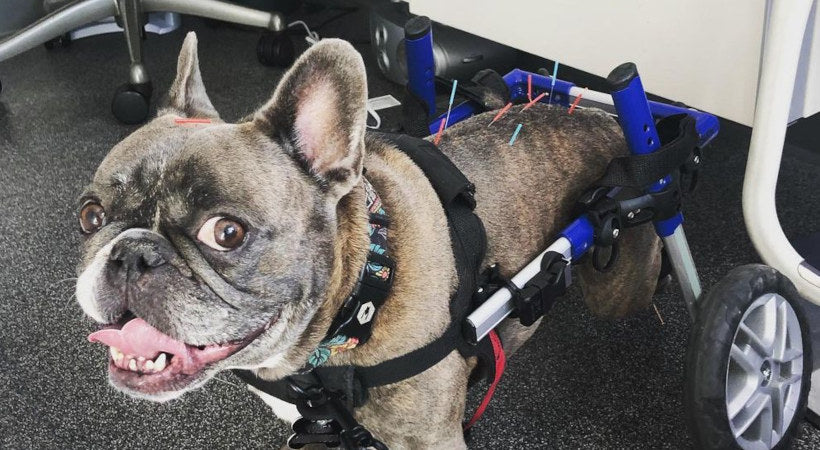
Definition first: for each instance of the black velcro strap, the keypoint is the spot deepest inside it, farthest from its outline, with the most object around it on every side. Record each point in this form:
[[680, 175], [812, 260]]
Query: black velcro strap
[[401, 367], [448, 182], [678, 137], [486, 89], [278, 389], [467, 233], [469, 242]]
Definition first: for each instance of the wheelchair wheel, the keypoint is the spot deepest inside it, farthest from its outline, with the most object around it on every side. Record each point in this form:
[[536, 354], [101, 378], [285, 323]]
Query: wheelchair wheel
[[748, 364]]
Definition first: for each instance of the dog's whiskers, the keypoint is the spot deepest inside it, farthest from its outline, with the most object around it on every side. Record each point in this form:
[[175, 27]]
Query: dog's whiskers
[[226, 382], [70, 300], [62, 281]]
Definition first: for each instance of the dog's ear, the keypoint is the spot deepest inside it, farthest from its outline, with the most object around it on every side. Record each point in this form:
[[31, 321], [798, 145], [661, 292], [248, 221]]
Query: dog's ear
[[187, 96], [318, 114]]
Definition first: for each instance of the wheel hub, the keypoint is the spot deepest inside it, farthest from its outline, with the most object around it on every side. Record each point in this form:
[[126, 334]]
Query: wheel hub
[[764, 373]]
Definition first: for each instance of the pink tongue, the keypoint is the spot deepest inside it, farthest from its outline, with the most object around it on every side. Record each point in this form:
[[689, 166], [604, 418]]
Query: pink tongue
[[140, 339]]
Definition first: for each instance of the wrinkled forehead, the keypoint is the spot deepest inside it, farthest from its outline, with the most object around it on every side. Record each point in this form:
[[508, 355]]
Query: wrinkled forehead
[[177, 170], [151, 145]]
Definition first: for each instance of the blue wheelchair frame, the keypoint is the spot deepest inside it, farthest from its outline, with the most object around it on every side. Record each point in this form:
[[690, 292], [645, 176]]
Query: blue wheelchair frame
[[636, 116]]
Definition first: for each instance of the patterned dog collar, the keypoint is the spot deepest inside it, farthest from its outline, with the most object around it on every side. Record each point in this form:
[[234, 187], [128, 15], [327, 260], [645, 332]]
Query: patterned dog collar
[[353, 325]]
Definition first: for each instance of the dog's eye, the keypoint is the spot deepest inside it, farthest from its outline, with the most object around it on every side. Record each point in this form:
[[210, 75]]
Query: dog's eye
[[92, 217], [221, 233]]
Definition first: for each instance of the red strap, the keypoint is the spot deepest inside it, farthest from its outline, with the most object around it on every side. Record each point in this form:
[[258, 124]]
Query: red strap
[[184, 120], [500, 363]]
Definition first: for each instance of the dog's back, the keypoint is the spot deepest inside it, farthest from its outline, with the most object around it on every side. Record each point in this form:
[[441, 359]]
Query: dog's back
[[526, 193]]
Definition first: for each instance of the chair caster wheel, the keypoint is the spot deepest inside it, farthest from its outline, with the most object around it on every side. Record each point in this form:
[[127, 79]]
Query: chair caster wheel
[[131, 103], [63, 41], [275, 50]]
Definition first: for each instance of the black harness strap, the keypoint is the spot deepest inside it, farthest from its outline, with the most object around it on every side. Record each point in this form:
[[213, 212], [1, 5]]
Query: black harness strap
[[339, 378], [679, 137], [677, 157], [467, 233], [325, 396], [468, 244], [354, 381]]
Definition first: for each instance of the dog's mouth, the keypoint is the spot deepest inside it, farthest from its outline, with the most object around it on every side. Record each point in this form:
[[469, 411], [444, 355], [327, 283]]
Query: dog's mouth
[[144, 359]]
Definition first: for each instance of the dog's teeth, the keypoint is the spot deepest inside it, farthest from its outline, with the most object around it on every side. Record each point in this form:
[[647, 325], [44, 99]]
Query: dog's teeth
[[116, 354], [132, 365], [149, 365], [159, 363]]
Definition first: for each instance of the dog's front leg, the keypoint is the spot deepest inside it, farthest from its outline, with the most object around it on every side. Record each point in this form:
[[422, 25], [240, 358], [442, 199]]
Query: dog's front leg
[[423, 412], [283, 410]]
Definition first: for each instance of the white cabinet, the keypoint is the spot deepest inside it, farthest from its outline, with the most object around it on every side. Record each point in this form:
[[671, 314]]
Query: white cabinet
[[704, 53]]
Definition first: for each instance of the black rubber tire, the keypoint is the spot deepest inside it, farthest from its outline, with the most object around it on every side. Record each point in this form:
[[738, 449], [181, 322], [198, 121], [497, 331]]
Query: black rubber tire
[[131, 104], [813, 418], [275, 50], [707, 356]]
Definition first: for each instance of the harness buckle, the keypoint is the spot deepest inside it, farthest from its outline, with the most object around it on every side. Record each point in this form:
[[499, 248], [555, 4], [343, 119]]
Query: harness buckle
[[376, 279], [326, 420]]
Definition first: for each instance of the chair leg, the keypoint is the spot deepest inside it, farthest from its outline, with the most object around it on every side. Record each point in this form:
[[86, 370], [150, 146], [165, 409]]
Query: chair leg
[[59, 22], [132, 23], [132, 100], [214, 9]]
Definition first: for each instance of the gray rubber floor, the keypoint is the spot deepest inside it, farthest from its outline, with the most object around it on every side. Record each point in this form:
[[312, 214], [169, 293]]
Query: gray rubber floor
[[580, 383]]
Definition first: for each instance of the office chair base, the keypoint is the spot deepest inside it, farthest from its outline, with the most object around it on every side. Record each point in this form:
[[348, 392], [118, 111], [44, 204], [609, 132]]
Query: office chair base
[[131, 103]]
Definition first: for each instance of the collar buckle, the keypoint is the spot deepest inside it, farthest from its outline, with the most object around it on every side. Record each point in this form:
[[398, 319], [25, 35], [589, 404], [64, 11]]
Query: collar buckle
[[356, 317], [376, 278]]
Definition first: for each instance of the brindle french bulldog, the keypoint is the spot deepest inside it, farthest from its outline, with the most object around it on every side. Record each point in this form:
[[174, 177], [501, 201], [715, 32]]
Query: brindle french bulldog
[[209, 245]]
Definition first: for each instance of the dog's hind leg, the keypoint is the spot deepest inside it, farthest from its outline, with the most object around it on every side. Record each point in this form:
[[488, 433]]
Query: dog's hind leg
[[513, 335], [630, 284]]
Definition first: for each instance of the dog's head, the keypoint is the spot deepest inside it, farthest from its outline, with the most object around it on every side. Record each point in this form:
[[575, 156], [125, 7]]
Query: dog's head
[[209, 245]]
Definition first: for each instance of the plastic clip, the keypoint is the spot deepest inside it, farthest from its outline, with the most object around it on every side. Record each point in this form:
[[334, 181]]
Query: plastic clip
[[539, 294]]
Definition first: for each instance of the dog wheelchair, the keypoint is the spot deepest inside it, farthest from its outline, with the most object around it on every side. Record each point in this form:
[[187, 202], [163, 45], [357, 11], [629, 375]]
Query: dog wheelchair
[[748, 365], [749, 356]]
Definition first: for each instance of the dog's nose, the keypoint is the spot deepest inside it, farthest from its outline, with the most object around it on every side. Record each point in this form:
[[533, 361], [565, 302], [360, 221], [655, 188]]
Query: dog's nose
[[132, 257]]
